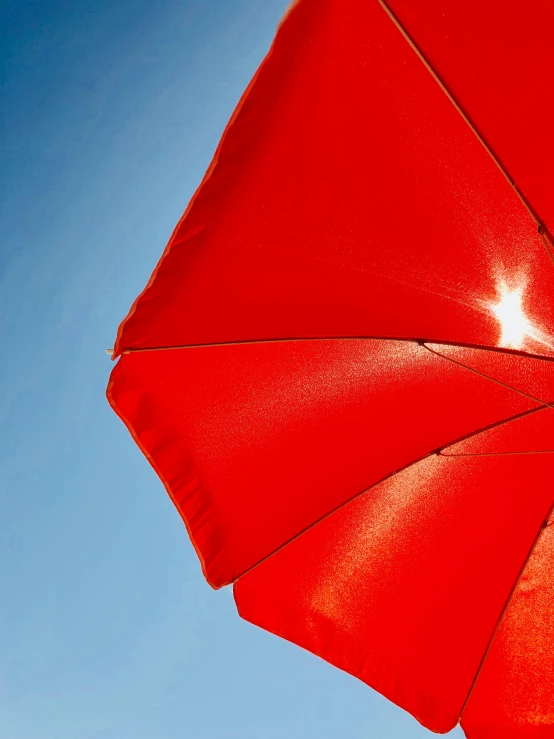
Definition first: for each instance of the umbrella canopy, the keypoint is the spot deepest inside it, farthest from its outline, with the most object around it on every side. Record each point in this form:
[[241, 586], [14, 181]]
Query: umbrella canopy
[[342, 368]]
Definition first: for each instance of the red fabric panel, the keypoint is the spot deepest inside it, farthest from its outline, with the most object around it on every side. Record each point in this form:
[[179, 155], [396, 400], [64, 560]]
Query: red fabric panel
[[496, 59], [514, 694], [348, 198], [403, 587], [255, 442]]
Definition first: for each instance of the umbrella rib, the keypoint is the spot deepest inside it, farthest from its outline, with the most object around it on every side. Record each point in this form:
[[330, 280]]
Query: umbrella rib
[[435, 452], [547, 522], [419, 340], [547, 243], [543, 231], [498, 454], [488, 377]]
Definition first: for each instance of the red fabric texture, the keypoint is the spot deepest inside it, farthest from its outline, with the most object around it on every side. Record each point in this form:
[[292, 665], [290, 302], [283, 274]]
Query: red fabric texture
[[342, 368], [495, 58], [513, 695], [347, 198], [258, 441], [403, 587]]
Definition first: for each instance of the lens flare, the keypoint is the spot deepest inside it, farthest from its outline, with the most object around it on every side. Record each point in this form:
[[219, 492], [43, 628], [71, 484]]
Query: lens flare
[[514, 324]]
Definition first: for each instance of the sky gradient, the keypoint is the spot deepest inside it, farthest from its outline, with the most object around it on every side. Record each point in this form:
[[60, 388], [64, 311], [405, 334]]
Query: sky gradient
[[110, 114]]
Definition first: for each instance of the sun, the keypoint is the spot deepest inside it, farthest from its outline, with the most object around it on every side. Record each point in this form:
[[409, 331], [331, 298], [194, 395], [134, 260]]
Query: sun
[[514, 323]]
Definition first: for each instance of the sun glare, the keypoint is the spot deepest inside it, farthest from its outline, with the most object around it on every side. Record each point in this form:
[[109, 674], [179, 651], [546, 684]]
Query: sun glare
[[513, 321]]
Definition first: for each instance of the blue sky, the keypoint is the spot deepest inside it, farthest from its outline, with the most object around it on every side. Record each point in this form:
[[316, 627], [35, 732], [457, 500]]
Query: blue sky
[[110, 113]]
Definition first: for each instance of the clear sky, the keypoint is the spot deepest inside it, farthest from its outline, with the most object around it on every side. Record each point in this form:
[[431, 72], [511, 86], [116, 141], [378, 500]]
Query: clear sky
[[110, 111]]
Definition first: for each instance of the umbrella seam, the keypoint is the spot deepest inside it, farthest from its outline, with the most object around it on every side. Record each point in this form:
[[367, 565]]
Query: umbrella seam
[[420, 341]]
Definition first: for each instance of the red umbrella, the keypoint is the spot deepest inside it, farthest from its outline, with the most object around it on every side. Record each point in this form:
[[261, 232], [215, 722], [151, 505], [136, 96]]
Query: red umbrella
[[342, 367]]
